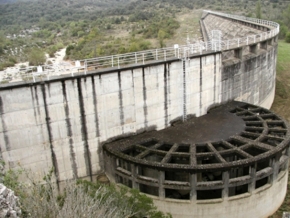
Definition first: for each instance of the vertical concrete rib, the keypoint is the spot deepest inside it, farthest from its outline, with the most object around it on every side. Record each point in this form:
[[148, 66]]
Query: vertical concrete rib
[[134, 169], [226, 178], [87, 155], [69, 132], [4, 127], [184, 89], [193, 185], [121, 102], [37, 100], [168, 92], [214, 89], [95, 101], [33, 104], [50, 136], [193, 177], [252, 173], [165, 96], [161, 190], [275, 166], [200, 85], [144, 98]]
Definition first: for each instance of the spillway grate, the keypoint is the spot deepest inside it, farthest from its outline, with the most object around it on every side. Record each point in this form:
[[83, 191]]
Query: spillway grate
[[261, 135]]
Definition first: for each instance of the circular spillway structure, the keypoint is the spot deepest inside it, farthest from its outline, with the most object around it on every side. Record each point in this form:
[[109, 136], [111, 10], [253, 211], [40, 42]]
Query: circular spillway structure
[[233, 159]]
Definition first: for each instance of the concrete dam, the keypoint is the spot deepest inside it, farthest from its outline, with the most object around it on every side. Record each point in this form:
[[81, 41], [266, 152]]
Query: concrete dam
[[63, 121]]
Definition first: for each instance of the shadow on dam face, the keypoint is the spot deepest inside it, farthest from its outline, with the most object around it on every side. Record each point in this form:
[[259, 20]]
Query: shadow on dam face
[[234, 149]]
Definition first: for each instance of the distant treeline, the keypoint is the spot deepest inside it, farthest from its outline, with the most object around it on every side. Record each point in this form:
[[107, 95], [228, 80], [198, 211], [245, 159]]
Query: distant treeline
[[30, 12], [91, 28]]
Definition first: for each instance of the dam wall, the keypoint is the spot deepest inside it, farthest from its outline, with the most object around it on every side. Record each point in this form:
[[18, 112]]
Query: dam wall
[[63, 122]]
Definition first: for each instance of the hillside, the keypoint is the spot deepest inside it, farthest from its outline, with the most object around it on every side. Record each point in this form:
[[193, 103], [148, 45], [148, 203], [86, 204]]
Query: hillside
[[91, 28]]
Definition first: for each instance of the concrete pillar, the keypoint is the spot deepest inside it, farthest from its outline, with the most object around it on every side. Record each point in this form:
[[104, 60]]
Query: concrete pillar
[[226, 180], [238, 53], [263, 45], [161, 179], [110, 166], [275, 167], [252, 172], [254, 48], [134, 172], [193, 184], [270, 41]]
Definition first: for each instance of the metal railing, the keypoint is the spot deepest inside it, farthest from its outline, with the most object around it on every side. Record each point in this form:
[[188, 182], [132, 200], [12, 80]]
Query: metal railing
[[45, 72]]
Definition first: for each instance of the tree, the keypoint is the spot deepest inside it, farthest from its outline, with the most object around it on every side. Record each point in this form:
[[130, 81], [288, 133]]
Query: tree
[[2, 42], [36, 57], [287, 38], [258, 10], [283, 30], [286, 16], [161, 37]]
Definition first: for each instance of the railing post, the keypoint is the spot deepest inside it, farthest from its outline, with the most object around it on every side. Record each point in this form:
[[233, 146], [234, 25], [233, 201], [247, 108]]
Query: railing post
[[165, 55], [156, 54], [200, 50], [118, 63], [112, 60], [136, 60], [143, 58], [247, 40]]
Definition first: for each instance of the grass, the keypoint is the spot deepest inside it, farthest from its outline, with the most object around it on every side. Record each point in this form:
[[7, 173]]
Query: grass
[[189, 24], [282, 97], [282, 103]]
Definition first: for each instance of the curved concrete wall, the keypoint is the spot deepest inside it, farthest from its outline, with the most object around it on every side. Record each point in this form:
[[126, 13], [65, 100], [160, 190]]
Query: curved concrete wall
[[62, 122], [259, 70], [262, 202]]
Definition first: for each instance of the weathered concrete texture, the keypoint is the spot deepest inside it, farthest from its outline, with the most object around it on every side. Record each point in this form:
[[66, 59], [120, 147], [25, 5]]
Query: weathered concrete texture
[[251, 79], [62, 123], [262, 203], [228, 28]]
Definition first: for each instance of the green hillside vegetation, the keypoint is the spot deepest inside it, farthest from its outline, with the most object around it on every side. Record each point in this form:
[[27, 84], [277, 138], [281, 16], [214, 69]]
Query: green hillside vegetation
[[97, 28]]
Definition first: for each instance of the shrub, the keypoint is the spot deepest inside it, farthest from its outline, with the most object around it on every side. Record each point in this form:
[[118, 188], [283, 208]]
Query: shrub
[[36, 57], [287, 38], [80, 199], [283, 31]]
